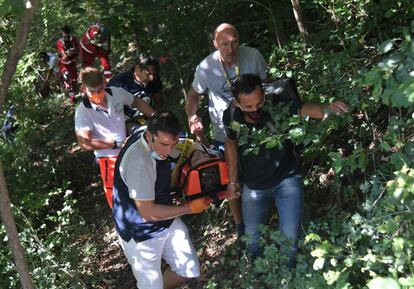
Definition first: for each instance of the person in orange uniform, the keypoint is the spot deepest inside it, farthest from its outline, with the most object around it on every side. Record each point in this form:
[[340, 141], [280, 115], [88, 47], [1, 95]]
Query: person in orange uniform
[[68, 49], [96, 42]]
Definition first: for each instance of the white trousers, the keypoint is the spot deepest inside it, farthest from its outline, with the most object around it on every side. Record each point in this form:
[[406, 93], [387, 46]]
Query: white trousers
[[173, 245]]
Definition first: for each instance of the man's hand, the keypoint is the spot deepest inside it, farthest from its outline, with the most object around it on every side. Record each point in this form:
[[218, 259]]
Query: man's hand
[[233, 190], [337, 107], [195, 125], [199, 205]]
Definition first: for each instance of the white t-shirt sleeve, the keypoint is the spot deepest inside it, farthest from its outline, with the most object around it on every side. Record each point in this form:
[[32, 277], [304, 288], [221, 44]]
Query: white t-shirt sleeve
[[124, 96], [199, 83], [261, 65], [82, 120], [139, 179]]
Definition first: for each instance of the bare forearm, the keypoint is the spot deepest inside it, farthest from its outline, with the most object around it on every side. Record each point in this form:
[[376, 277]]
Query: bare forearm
[[158, 100], [321, 111], [192, 102], [142, 106], [231, 156], [157, 212], [96, 144], [312, 110]]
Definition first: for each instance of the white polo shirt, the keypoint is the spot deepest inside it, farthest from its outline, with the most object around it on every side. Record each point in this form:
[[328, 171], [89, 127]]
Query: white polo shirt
[[139, 170], [105, 124]]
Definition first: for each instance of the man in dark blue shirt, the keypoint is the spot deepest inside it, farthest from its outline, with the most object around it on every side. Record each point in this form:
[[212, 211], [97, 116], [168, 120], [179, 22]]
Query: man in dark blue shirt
[[272, 174], [142, 80]]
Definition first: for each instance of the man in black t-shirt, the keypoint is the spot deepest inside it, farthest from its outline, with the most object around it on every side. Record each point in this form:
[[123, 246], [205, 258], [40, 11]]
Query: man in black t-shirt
[[142, 80], [273, 174]]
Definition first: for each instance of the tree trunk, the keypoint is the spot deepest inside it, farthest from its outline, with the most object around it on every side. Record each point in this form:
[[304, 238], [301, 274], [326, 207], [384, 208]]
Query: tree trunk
[[299, 19], [17, 50], [5, 210], [12, 236]]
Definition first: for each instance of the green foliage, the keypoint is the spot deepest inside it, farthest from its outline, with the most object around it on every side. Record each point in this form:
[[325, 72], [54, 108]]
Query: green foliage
[[358, 168], [392, 79]]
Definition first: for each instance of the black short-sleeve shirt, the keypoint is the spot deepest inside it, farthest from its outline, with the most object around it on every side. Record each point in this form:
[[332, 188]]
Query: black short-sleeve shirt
[[270, 165], [126, 81]]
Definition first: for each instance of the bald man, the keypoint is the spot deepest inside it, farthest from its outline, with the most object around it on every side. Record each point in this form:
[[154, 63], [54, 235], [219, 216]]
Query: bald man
[[213, 76]]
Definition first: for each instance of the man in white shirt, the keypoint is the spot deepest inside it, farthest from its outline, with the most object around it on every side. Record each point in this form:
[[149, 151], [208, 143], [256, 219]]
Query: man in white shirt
[[100, 122], [146, 218]]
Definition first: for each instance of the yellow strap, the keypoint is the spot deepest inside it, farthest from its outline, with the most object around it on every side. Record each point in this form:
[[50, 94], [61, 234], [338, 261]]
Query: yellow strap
[[237, 70], [185, 154]]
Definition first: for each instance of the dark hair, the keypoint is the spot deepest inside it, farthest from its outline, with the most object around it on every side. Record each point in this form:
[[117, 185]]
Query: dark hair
[[91, 76], [245, 83], [165, 121], [66, 29], [43, 56], [144, 61]]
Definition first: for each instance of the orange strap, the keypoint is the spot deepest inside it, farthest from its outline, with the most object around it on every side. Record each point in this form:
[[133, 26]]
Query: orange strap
[[107, 166]]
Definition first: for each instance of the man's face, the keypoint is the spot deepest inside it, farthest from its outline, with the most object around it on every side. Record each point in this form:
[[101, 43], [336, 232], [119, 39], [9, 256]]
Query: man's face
[[145, 75], [251, 104], [163, 143], [227, 42], [96, 94], [66, 36]]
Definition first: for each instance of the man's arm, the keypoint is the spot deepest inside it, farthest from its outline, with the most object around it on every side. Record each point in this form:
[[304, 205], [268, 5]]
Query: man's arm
[[231, 155], [194, 121], [321, 111], [88, 144], [48, 74], [151, 211], [158, 101], [142, 106], [192, 102], [60, 49]]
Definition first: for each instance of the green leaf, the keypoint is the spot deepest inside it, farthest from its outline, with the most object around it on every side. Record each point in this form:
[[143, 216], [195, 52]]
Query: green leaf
[[398, 160], [403, 96], [312, 237], [384, 146], [348, 262], [331, 276], [398, 245], [383, 283], [18, 7], [318, 264], [386, 46], [272, 70], [390, 13], [406, 281], [4, 8], [388, 227]]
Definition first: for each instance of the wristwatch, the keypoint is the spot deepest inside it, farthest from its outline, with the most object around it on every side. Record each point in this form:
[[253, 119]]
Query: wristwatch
[[116, 145]]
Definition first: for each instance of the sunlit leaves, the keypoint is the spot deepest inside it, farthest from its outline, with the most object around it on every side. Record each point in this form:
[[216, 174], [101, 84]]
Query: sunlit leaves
[[392, 78], [383, 283], [402, 186], [386, 46], [16, 7]]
